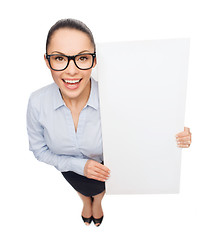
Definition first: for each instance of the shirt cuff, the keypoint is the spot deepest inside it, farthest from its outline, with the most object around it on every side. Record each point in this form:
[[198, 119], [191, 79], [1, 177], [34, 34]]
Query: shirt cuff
[[77, 166]]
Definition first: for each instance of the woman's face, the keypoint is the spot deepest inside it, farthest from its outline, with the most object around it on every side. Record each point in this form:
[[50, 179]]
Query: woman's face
[[71, 42]]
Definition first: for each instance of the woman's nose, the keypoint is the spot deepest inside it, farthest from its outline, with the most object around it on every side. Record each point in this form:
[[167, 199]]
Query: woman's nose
[[71, 68]]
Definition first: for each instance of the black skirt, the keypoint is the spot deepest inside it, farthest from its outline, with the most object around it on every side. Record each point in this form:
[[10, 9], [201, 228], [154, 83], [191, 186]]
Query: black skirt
[[86, 186]]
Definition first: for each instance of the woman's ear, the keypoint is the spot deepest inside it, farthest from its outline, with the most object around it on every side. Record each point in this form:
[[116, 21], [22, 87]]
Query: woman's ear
[[46, 61]]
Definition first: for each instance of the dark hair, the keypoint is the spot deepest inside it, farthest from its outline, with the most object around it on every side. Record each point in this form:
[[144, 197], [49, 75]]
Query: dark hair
[[71, 24]]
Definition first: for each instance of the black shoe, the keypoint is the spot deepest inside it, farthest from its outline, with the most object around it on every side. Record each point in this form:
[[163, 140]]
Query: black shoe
[[97, 220], [87, 220]]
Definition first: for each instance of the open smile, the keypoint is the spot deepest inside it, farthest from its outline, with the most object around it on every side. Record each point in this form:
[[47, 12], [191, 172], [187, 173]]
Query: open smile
[[72, 81]]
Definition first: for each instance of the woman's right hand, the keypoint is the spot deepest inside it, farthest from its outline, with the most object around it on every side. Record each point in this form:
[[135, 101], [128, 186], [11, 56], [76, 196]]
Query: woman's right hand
[[96, 171]]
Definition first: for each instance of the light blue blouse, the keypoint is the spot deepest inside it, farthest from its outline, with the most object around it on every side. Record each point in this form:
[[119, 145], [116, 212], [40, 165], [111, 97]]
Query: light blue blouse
[[51, 131]]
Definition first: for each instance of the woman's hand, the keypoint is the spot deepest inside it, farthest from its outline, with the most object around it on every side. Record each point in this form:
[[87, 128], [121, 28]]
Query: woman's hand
[[184, 138], [96, 171]]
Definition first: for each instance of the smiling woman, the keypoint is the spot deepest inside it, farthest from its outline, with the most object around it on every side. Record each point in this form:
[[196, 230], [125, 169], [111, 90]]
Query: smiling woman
[[71, 104]]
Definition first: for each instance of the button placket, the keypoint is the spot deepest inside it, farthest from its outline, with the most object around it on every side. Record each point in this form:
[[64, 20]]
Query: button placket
[[70, 123], [80, 128]]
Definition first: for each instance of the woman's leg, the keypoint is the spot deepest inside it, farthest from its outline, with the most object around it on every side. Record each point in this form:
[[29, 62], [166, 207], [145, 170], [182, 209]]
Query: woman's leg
[[87, 206], [97, 206]]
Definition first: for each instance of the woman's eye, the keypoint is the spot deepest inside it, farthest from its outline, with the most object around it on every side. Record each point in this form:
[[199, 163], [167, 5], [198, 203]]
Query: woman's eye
[[59, 58], [82, 59]]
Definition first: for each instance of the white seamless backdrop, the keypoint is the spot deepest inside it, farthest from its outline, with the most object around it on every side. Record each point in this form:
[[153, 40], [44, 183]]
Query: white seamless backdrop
[[36, 202]]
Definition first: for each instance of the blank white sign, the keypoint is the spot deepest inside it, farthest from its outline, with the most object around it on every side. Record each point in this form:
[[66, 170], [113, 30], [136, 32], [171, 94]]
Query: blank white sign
[[142, 87]]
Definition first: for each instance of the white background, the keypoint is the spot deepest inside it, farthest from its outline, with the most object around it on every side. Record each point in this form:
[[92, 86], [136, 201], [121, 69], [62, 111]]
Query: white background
[[36, 202]]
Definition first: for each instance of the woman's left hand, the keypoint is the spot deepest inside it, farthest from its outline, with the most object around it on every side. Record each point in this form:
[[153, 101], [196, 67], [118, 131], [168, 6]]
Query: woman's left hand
[[184, 138]]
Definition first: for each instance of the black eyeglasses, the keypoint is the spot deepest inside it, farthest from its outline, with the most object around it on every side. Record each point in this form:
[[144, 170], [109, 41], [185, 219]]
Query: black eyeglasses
[[59, 62]]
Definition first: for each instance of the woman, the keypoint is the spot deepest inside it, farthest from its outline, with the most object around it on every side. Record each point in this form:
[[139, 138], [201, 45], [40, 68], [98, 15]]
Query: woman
[[63, 119]]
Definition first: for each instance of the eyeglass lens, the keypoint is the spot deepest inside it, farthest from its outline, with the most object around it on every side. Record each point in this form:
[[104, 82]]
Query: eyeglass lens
[[59, 62]]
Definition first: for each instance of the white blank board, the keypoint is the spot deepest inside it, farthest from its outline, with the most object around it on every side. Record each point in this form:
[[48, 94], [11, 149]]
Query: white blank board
[[142, 87]]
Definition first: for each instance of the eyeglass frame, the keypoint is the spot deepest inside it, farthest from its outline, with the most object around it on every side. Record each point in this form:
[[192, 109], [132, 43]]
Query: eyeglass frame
[[71, 58]]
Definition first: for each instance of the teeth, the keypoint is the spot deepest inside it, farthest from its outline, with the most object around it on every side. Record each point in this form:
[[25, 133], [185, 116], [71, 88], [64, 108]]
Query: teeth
[[72, 81]]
